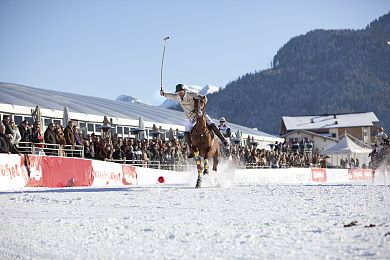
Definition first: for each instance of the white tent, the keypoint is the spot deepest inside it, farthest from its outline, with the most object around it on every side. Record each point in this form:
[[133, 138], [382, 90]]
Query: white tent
[[348, 149]]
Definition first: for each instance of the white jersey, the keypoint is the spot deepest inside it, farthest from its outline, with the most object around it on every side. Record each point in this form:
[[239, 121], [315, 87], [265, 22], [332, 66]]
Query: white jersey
[[225, 131]]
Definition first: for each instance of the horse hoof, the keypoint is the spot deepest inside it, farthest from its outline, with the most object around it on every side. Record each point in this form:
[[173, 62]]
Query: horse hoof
[[198, 183], [205, 172]]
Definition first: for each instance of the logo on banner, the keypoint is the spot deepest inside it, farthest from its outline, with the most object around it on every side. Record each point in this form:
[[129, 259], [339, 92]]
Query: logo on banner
[[11, 171], [359, 174], [129, 175], [318, 174]]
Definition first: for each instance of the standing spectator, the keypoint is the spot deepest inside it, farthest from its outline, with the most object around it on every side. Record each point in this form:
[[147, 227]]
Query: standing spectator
[[37, 139], [50, 138], [357, 163], [69, 134], [25, 134], [6, 122], [5, 144], [76, 135], [16, 134], [59, 135], [25, 131]]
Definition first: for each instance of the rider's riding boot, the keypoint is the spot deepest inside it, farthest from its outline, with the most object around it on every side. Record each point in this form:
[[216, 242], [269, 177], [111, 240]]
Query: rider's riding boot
[[219, 134], [187, 138]]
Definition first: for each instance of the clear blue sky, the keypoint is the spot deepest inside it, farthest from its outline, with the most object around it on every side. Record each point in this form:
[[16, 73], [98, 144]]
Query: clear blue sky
[[113, 47]]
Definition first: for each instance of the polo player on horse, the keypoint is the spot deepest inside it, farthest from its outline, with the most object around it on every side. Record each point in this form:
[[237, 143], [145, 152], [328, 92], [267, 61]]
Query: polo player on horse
[[187, 101]]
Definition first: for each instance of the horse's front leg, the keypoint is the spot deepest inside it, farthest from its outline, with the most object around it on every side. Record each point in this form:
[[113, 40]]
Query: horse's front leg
[[206, 166], [198, 161]]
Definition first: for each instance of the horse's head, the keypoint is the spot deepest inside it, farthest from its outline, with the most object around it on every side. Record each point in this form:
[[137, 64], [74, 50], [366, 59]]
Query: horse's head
[[200, 106], [200, 109]]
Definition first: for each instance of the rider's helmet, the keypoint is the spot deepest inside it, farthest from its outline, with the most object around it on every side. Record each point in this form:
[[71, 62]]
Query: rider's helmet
[[380, 129], [179, 87], [222, 119]]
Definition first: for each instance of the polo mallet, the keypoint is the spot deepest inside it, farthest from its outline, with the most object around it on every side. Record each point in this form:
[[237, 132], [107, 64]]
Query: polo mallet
[[162, 63]]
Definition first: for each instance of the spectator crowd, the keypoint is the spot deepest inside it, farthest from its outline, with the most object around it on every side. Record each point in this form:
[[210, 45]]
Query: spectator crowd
[[57, 140]]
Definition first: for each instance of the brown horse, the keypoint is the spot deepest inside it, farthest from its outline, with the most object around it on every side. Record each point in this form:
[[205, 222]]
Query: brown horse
[[203, 142]]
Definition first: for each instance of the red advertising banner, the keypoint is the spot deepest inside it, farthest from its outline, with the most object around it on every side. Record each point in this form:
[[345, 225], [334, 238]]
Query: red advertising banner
[[66, 172], [360, 174], [34, 171], [318, 174]]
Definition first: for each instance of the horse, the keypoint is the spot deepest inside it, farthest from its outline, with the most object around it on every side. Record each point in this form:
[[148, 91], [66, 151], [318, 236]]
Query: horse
[[204, 144], [380, 158]]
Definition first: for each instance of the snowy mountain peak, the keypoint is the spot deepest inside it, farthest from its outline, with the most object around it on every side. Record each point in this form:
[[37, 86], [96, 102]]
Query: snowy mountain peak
[[128, 99], [209, 89]]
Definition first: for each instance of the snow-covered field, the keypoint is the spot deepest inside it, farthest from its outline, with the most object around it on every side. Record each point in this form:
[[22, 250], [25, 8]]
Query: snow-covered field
[[175, 222]]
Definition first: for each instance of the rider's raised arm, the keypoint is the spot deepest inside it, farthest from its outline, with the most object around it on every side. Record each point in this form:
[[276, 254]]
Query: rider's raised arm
[[172, 96]]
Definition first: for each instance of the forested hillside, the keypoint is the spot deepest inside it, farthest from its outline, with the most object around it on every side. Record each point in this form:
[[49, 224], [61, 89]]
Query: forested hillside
[[324, 71]]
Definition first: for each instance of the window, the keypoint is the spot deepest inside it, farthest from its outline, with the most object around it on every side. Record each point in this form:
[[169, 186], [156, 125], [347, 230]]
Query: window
[[333, 135], [126, 130], [97, 127], [57, 122], [18, 119], [29, 119], [47, 121], [91, 127], [119, 130]]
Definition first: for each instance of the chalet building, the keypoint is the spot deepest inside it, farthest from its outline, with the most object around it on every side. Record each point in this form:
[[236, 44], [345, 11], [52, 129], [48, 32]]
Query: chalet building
[[324, 130]]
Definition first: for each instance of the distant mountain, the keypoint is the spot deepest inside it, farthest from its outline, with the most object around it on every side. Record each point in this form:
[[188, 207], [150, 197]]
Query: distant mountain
[[208, 89], [323, 71], [128, 99]]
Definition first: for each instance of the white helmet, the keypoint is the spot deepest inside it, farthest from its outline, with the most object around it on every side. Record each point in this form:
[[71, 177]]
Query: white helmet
[[222, 119]]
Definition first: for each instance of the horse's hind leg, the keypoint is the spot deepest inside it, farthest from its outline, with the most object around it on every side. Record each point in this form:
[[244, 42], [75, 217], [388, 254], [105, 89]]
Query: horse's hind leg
[[215, 162]]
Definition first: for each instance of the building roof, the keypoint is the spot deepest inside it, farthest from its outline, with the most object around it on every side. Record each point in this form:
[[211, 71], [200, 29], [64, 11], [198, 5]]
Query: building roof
[[12, 95], [329, 121]]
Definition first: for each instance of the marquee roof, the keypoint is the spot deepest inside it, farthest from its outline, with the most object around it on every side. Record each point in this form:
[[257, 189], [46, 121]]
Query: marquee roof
[[346, 146], [19, 95]]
